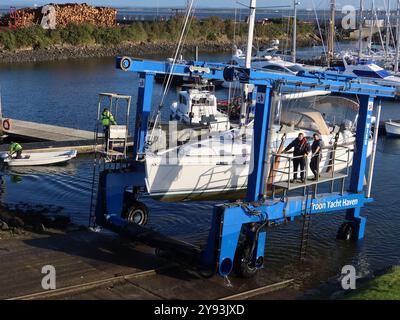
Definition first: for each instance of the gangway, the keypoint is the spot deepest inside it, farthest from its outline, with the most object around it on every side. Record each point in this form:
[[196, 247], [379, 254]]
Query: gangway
[[236, 240]]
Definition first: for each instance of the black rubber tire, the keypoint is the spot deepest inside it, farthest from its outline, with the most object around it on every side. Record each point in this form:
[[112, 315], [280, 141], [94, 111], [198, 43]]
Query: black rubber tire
[[242, 267], [347, 231], [137, 212]]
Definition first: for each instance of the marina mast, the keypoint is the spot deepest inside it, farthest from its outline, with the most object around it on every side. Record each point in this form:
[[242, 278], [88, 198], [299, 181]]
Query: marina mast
[[387, 28], [331, 36], [360, 24], [252, 19], [295, 4]]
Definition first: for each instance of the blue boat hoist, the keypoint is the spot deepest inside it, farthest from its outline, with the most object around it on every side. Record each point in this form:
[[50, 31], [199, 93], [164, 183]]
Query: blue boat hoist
[[237, 235]]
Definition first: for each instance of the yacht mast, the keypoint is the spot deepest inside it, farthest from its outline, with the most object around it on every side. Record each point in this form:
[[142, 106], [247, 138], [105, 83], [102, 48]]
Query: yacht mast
[[331, 32], [371, 29], [387, 27], [252, 18], [396, 60], [295, 4], [360, 23]]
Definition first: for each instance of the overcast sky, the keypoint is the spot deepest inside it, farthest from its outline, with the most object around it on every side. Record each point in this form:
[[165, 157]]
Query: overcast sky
[[320, 4]]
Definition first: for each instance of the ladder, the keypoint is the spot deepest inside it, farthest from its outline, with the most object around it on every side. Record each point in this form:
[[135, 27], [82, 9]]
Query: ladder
[[97, 161], [305, 232], [102, 162]]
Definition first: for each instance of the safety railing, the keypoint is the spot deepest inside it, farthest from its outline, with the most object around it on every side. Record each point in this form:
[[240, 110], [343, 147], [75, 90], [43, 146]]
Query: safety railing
[[332, 164]]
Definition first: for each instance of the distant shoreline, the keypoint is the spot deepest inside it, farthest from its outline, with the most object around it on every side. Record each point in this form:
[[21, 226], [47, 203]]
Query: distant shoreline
[[57, 53], [32, 43], [140, 49]]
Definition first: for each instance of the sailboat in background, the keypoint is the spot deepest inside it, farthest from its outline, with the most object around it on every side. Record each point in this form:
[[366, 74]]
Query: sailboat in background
[[360, 64], [272, 58]]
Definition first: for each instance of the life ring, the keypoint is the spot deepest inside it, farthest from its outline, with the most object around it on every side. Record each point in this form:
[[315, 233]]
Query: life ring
[[6, 124]]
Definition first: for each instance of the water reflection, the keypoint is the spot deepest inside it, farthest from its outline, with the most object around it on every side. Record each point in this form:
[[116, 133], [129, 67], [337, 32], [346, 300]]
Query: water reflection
[[390, 145]]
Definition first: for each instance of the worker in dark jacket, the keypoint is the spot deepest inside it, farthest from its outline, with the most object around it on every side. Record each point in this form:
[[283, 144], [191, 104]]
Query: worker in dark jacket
[[107, 119], [300, 152], [315, 155], [15, 147]]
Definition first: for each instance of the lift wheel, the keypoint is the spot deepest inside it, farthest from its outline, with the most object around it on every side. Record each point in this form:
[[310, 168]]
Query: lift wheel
[[136, 212]]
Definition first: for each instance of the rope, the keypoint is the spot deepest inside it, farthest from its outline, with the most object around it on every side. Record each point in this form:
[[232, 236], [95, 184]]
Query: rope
[[170, 75], [379, 29], [178, 51], [319, 28]]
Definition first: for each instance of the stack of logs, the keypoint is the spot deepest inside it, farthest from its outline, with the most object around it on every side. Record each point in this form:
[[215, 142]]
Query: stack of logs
[[65, 14]]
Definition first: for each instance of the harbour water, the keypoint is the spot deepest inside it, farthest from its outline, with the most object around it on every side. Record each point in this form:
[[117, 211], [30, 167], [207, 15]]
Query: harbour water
[[65, 93]]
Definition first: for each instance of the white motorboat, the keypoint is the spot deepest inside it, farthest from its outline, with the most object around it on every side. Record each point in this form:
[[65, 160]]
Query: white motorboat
[[392, 128], [38, 158], [218, 167], [199, 108]]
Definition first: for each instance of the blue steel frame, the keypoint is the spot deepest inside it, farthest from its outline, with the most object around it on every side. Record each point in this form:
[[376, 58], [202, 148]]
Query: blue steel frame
[[145, 91], [228, 219]]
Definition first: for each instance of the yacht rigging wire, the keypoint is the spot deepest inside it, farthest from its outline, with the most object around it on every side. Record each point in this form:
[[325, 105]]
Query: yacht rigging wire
[[168, 81], [319, 27]]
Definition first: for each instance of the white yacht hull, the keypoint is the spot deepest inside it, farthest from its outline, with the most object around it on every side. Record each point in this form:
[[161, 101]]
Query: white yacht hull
[[216, 177]]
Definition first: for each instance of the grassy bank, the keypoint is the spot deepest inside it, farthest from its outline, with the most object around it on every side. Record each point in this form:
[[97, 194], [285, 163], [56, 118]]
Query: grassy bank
[[212, 29], [384, 287]]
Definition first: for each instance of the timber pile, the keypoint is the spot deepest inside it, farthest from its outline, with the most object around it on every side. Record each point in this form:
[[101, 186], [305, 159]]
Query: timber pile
[[23, 18], [65, 14]]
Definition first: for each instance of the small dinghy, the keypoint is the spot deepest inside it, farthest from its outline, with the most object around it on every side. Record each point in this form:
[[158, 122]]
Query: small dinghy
[[392, 128], [39, 158]]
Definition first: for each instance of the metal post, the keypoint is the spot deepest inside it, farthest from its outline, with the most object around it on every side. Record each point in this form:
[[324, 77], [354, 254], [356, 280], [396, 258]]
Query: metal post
[[290, 172], [275, 99], [361, 147], [360, 159], [333, 169], [260, 138], [145, 92], [373, 154]]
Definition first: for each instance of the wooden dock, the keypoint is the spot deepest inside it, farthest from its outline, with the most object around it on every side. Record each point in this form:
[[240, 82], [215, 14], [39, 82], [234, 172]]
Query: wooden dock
[[45, 132], [38, 136], [97, 265]]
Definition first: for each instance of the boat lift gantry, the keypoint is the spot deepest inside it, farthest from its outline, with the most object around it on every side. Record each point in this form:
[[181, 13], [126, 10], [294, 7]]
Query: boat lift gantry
[[237, 235]]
